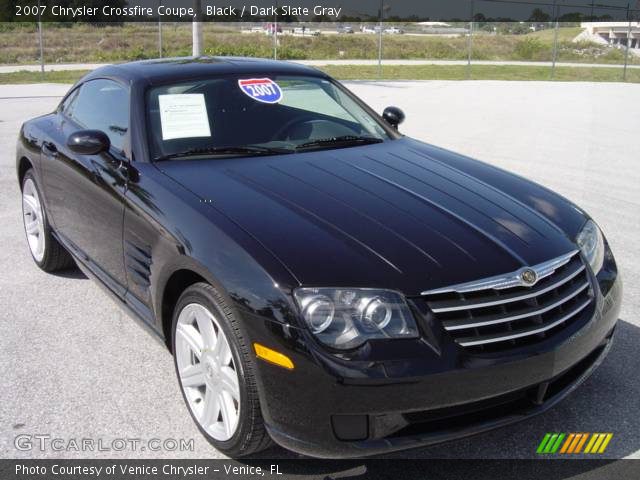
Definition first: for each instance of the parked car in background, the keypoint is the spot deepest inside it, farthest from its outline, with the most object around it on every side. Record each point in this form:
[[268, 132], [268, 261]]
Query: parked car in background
[[369, 29], [345, 29], [306, 31], [271, 28], [393, 31]]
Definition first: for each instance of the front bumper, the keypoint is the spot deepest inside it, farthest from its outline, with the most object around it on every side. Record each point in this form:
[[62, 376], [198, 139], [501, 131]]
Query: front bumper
[[420, 395]]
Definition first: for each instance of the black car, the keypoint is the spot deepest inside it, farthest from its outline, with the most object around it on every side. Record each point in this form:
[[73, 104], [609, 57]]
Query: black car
[[322, 280]]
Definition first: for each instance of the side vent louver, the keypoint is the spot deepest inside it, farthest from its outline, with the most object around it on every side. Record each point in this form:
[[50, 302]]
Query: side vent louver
[[137, 260]]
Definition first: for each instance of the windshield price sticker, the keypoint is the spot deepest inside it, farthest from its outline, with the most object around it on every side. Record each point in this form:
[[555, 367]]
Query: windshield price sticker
[[262, 90], [183, 116]]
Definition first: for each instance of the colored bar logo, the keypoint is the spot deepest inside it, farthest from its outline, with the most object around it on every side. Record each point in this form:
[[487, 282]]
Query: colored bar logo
[[572, 443]]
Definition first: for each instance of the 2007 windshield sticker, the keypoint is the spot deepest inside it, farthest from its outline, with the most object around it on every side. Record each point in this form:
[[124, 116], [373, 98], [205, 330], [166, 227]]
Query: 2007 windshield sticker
[[262, 90]]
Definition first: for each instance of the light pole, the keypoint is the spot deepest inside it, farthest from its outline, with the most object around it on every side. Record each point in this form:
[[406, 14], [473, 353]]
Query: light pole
[[40, 40], [626, 53], [159, 30], [470, 42], [555, 39], [275, 33], [380, 19], [197, 31]]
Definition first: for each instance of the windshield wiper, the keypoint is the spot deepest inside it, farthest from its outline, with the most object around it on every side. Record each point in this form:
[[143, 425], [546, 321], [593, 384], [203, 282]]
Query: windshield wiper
[[344, 140], [226, 150]]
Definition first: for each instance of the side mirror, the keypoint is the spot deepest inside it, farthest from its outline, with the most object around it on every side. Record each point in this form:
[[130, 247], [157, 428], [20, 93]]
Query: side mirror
[[88, 142], [393, 116]]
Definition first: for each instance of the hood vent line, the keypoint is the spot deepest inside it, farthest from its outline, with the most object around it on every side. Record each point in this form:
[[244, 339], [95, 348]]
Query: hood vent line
[[451, 214]]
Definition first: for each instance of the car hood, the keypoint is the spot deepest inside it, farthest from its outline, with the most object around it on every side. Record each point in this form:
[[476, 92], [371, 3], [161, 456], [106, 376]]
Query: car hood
[[401, 214]]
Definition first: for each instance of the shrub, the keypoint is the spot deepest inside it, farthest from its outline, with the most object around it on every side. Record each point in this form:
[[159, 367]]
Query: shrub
[[531, 48]]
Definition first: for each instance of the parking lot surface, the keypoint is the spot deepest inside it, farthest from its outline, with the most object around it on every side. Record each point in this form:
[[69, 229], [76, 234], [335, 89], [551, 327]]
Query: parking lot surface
[[73, 365]]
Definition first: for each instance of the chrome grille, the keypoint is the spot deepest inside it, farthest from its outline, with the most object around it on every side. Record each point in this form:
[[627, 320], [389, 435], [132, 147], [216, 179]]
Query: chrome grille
[[499, 313]]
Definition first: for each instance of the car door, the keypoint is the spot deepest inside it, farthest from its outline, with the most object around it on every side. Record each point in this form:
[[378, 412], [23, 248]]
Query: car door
[[85, 193]]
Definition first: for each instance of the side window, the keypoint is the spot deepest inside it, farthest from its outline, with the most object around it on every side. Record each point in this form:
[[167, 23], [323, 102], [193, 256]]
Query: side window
[[103, 105], [66, 107]]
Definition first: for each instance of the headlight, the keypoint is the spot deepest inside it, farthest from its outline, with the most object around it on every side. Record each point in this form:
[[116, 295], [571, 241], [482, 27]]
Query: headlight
[[591, 243], [347, 318]]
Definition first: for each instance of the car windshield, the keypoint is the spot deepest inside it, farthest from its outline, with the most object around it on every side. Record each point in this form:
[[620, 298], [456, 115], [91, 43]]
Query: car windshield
[[255, 115]]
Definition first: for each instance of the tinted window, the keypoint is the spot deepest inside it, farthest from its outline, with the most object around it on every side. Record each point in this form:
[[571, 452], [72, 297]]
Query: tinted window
[[224, 111], [66, 107], [103, 105], [316, 97]]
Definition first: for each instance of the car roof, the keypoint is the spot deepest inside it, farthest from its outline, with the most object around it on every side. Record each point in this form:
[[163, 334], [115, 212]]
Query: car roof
[[184, 68]]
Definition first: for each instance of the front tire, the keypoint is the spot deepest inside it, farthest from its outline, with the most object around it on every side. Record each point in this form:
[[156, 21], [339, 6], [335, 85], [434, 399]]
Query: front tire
[[215, 372], [45, 250]]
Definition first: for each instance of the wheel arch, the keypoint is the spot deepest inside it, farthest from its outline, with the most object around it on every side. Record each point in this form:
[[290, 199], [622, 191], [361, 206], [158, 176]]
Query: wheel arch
[[177, 283], [244, 289], [24, 165]]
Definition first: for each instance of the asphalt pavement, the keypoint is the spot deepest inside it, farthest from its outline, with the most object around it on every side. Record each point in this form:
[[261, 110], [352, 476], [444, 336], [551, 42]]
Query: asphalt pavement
[[73, 365]]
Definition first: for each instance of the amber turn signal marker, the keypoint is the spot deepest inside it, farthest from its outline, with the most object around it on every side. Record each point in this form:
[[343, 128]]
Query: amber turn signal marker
[[272, 356]]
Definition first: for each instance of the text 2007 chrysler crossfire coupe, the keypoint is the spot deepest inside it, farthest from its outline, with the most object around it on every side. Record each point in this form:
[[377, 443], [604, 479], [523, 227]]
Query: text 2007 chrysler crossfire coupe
[[321, 280]]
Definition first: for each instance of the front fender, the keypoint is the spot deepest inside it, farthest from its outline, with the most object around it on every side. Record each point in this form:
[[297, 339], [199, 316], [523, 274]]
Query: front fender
[[168, 229]]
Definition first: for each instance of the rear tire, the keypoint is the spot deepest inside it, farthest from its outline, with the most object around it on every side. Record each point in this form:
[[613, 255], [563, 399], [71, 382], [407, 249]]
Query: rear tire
[[210, 351], [45, 250]]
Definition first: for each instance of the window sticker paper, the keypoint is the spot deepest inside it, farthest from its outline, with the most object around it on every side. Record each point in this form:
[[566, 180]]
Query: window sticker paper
[[183, 116]]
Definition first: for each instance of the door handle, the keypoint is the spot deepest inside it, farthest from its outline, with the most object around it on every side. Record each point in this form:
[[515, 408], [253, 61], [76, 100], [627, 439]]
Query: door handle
[[49, 148]]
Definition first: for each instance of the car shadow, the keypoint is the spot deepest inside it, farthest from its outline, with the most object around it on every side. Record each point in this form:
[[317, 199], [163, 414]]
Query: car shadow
[[73, 273], [605, 402]]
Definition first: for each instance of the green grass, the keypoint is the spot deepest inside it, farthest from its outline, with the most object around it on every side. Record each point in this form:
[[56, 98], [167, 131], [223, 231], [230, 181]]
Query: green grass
[[481, 72], [62, 76], [564, 34], [401, 72], [82, 43]]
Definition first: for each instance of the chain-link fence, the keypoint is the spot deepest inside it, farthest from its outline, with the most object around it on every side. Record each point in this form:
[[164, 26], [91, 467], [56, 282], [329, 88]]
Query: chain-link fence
[[471, 50]]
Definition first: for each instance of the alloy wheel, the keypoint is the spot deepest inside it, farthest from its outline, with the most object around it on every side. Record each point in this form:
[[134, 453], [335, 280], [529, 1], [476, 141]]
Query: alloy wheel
[[207, 371], [33, 219]]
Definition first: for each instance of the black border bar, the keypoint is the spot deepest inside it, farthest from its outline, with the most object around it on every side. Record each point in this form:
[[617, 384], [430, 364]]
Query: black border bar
[[403, 469], [345, 11]]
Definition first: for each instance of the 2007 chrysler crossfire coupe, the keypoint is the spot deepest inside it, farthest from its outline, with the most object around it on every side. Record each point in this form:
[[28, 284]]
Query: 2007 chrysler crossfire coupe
[[321, 280]]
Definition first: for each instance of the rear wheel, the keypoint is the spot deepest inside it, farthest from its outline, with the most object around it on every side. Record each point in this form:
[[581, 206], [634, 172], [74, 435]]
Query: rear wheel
[[46, 251], [215, 372]]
